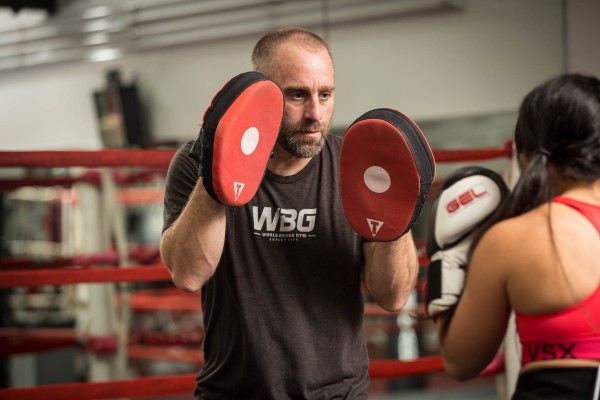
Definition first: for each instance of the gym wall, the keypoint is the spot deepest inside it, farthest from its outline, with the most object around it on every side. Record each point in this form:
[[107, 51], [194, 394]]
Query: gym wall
[[480, 60]]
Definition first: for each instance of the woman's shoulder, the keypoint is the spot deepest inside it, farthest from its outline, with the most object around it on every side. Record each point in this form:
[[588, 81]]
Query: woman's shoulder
[[514, 234], [532, 220]]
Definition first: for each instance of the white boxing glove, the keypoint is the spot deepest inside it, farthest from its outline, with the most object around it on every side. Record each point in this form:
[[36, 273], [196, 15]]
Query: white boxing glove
[[468, 197]]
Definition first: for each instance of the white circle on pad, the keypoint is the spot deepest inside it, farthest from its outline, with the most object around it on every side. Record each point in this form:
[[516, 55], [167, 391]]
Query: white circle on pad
[[377, 179], [250, 140]]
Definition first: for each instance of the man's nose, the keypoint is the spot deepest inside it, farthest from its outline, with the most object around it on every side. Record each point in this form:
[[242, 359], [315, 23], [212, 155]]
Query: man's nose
[[312, 109]]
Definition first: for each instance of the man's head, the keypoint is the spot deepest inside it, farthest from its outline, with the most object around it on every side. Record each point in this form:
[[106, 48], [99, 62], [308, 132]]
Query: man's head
[[300, 62]]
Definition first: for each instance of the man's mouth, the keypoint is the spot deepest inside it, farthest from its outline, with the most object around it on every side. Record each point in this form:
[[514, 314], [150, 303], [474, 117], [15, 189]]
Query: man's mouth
[[312, 134]]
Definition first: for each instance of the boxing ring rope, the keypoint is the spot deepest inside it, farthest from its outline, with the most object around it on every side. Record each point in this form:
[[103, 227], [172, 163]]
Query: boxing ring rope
[[162, 158], [15, 275], [471, 155], [74, 274], [141, 254], [128, 388], [90, 176], [87, 158], [184, 383]]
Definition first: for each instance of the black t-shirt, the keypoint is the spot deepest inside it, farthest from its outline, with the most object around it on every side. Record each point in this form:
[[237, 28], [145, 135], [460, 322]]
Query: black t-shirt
[[283, 312]]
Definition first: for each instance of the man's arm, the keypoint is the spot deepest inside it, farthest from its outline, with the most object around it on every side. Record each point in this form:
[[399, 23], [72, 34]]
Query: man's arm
[[391, 270], [231, 168], [191, 248], [386, 171]]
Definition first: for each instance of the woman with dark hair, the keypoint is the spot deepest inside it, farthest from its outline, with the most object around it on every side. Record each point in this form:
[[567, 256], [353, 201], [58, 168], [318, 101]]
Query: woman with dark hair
[[536, 254]]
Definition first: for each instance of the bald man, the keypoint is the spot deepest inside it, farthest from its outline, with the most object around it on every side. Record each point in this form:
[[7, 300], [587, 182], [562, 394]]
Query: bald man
[[281, 276]]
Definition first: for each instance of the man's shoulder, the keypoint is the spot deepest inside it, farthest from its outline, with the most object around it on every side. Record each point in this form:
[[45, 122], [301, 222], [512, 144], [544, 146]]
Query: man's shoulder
[[184, 149], [186, 146], [334, 143], [181, 158], [334, 139]]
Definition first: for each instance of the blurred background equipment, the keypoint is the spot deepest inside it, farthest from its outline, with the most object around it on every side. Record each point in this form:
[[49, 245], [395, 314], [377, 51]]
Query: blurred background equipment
[[120, 114]]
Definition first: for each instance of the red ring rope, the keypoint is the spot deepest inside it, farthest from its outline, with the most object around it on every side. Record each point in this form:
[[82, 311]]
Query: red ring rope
[[184, 384], [162, 158], [128, 388], [140, 254], [87, 158], [66, 276], [379, 369], [92, 177], [473, 154]]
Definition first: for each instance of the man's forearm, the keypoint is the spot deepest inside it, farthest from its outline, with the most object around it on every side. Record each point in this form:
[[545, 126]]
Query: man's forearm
[[391, 270], [191, 248]]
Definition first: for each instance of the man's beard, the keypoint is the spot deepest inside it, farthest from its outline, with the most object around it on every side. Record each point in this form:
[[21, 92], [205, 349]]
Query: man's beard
[[291, 138]]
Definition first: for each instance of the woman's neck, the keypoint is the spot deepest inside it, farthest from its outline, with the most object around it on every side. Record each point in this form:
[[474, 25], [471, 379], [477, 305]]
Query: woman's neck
[[580, 190]]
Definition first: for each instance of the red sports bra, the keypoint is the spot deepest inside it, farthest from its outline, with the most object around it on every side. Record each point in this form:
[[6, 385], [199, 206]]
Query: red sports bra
[[590, 211], [572, 333]]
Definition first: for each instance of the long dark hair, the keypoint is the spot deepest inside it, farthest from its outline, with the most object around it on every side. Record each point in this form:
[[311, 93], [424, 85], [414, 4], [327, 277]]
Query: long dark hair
[[558, 123]]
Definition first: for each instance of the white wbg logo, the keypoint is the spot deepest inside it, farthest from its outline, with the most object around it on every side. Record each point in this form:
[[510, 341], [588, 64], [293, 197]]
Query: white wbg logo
[[284, 219]]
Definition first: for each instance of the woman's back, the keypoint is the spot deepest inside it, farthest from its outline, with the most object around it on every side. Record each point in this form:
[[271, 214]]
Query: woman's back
[[554, 261], [538, 256]]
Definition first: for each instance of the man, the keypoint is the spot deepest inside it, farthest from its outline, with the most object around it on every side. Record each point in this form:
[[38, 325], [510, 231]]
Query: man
[[281, 276]]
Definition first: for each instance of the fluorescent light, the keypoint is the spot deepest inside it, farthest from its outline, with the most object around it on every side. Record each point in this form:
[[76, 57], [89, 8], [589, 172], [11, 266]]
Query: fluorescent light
[[95, 38], [104, 54], [95, 12]]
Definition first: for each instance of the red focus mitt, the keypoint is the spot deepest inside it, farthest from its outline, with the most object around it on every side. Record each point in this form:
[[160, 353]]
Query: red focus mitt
[[237, 136], [386, 171]]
